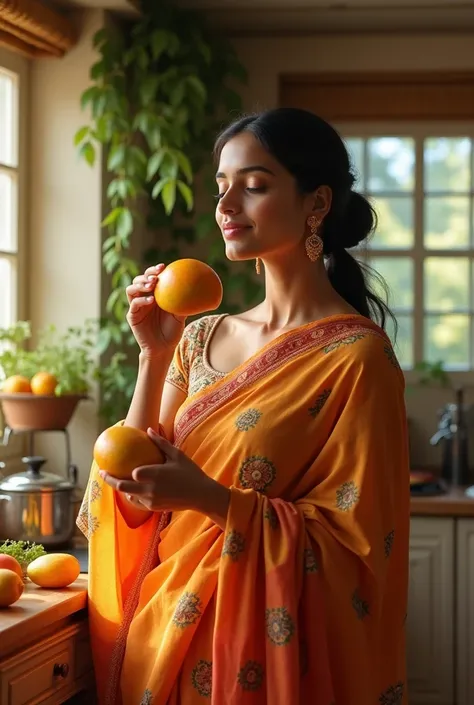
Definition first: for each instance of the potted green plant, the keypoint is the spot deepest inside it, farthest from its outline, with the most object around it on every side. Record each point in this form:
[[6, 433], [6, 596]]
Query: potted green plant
[[42, 384]]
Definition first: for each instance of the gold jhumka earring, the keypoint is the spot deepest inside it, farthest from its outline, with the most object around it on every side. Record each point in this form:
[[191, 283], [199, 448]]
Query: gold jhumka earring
[[258, 267], [314, 244]]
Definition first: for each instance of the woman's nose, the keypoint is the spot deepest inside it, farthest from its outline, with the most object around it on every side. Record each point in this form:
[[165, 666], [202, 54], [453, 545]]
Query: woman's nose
[[229, 203]]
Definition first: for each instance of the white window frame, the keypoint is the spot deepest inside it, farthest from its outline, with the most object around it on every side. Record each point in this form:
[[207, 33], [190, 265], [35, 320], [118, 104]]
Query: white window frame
[[19, 66], [419, 130]]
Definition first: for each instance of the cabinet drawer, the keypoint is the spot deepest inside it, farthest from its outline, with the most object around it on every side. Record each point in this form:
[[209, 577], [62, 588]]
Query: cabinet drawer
[[36, 674]]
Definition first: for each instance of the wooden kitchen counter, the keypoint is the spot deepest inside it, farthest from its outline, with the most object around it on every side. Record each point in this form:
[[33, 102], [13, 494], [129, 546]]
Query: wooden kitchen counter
[[45, 654], [452, 504], [37, 610]]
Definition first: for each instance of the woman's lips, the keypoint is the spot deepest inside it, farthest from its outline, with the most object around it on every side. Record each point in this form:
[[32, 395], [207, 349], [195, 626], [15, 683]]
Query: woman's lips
[[233, 231]]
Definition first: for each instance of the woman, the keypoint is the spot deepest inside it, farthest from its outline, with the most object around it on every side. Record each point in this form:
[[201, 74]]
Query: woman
[[266, 560]]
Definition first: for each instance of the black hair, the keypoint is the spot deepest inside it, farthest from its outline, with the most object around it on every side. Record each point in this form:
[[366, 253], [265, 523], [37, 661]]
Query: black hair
[[314, 153]]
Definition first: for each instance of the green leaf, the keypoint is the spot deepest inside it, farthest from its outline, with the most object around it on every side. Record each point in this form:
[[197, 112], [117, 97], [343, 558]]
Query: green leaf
[[159, 186], [130, 56], [88, 96], [117, 187], [116, 335], [111, 217], [154, 138], [142, 58], [168, 196], [132, 267], [104, 129], [108, 243], [99, 104], [186, 193], [184, 165], [137, 155], [159, 41], [112, 189], [198, 87], [124, 223], [154, 163], [148, 89], [169, 165], [97, 70], [110, 260], [116, 157], [177, 94], [112, 300], [142, 122], [103, 341], [87, 151], [100, 37], [81, 134], [182, 115], [174, 44], [120, 311]]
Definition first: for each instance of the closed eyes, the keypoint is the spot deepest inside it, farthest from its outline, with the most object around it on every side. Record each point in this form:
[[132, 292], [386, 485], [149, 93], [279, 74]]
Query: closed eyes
[[260, 189]]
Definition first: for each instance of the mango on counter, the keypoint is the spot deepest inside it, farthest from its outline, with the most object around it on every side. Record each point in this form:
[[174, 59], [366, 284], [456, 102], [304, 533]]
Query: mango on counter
[[11, 587], [55, 570]]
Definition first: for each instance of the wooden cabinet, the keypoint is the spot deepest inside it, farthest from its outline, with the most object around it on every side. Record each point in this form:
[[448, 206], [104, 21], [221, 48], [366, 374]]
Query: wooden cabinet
[[430, 632], [440, 624], [465, 612], [45, 655], [50, 671]]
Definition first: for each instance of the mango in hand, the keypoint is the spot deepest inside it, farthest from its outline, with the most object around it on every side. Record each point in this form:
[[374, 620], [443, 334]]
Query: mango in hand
[[188, 287]]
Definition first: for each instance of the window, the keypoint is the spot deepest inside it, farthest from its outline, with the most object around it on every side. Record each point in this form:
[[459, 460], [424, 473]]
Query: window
[[421, 182], [9, 179]]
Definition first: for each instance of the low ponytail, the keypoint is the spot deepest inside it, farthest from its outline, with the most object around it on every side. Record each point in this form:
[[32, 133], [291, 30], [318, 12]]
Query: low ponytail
[[347, 225]]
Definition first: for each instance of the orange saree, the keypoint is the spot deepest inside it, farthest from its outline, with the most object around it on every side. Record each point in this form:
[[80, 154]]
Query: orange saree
[[302, 600]]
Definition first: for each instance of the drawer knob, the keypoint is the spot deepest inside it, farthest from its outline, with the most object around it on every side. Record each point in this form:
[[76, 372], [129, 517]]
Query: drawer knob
[[61, 670]]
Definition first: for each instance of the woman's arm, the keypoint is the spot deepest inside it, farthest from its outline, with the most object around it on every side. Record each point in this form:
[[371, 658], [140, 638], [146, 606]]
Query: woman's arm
[[144, 411]]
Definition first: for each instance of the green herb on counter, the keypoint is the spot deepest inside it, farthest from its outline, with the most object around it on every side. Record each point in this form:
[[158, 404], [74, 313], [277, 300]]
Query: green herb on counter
[[24, 551]]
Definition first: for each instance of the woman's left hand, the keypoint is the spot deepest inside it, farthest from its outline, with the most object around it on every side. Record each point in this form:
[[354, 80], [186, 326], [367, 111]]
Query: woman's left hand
[[176, 484]]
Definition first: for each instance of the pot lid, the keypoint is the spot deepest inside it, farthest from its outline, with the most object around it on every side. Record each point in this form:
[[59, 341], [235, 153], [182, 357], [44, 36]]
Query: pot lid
[[33, 479]]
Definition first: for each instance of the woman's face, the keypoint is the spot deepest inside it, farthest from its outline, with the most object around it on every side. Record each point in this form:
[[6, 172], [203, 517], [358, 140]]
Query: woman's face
[[260, 211]]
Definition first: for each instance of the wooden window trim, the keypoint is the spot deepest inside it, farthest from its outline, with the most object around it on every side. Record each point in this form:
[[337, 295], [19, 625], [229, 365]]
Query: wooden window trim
[[21, 68], [380, 96]]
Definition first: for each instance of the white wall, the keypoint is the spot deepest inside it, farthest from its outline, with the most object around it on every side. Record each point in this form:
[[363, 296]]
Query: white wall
[[267, 57], [64, 263]]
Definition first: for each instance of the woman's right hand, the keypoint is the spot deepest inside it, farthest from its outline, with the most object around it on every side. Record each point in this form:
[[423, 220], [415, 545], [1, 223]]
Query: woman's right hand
[[155, 330]]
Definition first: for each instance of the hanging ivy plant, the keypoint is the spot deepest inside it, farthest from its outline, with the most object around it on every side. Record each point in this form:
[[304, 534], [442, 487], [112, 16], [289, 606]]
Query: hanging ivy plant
[[161, 90]]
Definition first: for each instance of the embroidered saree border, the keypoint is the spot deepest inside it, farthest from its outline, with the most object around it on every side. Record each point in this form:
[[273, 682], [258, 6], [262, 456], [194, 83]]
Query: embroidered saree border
[[316, 336], [118, 653]]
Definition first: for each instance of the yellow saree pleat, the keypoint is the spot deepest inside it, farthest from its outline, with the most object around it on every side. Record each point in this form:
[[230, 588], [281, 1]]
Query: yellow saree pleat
[[303, 598]]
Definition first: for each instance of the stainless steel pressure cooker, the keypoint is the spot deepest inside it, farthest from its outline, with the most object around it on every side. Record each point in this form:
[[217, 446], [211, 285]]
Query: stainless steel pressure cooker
[[38, 506]]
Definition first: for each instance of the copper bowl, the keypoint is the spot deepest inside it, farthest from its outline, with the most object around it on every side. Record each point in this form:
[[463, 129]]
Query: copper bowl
[[38, 412]]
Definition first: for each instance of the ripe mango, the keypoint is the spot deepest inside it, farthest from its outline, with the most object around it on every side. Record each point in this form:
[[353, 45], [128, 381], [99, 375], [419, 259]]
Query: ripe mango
[[55, 570], [11, 587]]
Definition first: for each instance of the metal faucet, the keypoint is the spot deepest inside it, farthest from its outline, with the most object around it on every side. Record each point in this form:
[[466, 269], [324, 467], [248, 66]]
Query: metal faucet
[[452, 429]]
